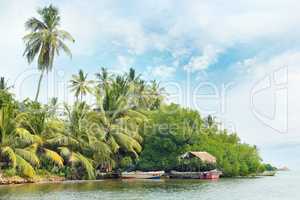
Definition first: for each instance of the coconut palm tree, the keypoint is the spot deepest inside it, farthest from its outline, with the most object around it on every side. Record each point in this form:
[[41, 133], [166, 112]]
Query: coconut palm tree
[[103, 77], [4, 85], [80, 85], [52, 108], [37, 123], [155, 95], [132, 76], [15, 142], [45, 40], [117, 118], [81, 144]]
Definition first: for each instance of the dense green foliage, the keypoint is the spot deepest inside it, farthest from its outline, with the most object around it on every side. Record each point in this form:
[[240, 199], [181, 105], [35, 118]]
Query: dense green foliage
[[267, 167], [173, 130], [125, 129], [83, 139]]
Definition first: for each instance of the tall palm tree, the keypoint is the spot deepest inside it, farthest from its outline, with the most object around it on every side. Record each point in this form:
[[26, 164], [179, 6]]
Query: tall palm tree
[[80, 85], [45, 40], [117, 117], [103, 77], [132, 76]]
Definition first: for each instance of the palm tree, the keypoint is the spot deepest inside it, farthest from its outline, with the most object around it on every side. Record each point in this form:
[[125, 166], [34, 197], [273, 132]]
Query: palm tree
[[81, 145], [3, 84], [45, 40], [103, 77], [151, 95], [80, 85], [117, 117], [40, 126], [15, 142], [132, 75], [52, 107]]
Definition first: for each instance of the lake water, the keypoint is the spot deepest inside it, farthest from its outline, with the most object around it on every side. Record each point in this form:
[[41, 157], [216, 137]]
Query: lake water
[[284, 186]]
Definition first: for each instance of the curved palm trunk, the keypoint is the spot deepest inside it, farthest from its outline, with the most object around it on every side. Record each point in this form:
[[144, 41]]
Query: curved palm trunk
[[39, 86]]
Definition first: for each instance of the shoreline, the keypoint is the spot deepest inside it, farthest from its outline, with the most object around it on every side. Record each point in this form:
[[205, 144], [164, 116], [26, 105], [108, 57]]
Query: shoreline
[[16, 180]]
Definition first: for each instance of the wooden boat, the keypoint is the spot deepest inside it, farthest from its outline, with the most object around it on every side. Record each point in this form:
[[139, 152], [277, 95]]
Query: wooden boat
[[268, 173], [209, 175], [142, 175]]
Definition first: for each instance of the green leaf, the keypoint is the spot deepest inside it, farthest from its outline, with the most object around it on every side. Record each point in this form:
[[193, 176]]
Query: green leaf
[[9, 153], [24, 168]]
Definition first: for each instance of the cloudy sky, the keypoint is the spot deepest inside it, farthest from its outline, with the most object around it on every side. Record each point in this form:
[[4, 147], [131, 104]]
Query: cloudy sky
[[237, 60]]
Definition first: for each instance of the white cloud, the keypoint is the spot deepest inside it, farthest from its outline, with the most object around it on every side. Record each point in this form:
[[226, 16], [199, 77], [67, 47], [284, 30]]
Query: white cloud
[[208, 57], [123, 63], [255, 130], [163, 71], [11, 43], [258, 66], [99, 24], [189, 25]]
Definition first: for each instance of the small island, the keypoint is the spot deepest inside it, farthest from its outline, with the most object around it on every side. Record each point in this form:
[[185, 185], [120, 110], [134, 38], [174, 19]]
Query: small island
[[128, 127]]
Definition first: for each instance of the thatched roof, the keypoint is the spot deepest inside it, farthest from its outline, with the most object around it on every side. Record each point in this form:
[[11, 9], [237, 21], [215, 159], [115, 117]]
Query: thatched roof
[[204, 156]]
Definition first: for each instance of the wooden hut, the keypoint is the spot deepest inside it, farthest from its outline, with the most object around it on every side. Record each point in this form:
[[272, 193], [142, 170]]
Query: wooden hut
[[202, 155], [205, 158]]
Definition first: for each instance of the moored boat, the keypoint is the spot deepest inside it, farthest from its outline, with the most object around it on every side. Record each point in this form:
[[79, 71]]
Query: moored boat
[[209, 175], [142, 175]]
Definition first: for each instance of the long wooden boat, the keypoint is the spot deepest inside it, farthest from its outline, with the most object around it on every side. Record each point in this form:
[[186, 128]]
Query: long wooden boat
[[210, 175], [142, 175]]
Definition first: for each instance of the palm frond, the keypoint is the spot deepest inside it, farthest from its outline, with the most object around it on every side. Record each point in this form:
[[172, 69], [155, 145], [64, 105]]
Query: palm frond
[[54, 126], [34, 24], [128, 143], [29, 156], [53, 157], [8, 152], [65, 48], [26, 138], [64, 35], [136, 115], [24, 168], [100, 148], [32, 148], [85, 163], [113, 144], [64, 152], [62, 140]]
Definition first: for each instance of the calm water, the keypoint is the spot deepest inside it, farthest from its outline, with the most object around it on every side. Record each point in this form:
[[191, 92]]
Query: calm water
[[284, 186]]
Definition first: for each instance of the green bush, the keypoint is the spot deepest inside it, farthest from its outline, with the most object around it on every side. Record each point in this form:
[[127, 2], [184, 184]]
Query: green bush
[[126, 163], [9, 172], [173, 131]]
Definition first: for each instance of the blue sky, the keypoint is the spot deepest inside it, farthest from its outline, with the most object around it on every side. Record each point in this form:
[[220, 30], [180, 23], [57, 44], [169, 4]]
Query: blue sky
[[210, 55]]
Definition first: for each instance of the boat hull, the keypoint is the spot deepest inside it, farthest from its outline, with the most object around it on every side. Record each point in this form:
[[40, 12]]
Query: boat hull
[[209, 175], [142, 175]]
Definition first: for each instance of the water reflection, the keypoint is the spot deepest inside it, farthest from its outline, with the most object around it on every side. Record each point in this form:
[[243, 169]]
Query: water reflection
[[279, 187]]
